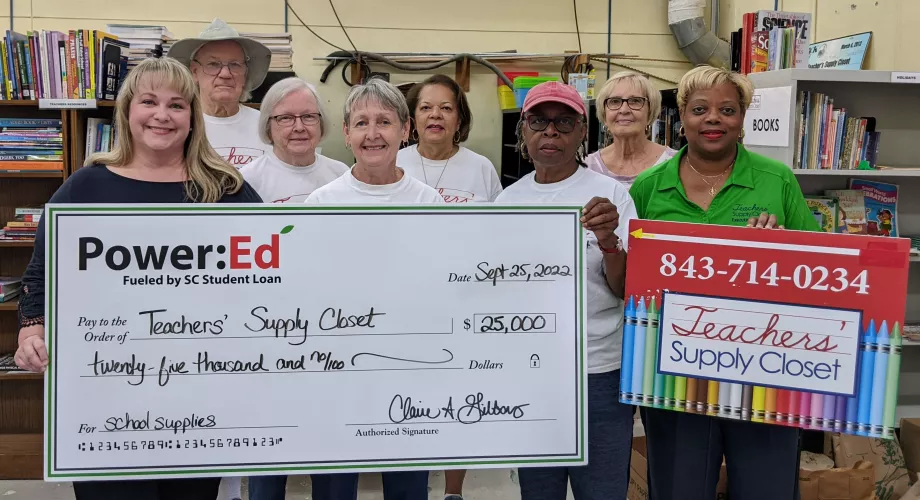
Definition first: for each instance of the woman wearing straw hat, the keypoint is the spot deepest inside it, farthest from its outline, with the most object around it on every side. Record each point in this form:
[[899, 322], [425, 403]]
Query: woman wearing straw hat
[[227, 68]]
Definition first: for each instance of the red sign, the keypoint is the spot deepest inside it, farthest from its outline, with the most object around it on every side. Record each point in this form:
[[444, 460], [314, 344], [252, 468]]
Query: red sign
[[771, 326]]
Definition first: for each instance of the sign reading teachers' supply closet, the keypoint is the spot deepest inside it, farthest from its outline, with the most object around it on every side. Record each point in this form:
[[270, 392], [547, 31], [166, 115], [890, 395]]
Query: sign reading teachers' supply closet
[[767, 121], [782, 327], [247, 340]]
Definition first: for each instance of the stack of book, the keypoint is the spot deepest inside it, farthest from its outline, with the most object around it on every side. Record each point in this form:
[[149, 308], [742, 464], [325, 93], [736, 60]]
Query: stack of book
[[867, 207], [280, 46], [10, 288], [47, 64], [23, 226], [143, 40], [8, 363], [770, 40], [830, 138], [100, 135], [31, 144]]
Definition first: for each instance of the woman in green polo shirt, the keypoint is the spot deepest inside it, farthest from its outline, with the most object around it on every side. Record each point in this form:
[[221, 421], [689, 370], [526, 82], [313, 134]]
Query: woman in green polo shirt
[[714, 180]]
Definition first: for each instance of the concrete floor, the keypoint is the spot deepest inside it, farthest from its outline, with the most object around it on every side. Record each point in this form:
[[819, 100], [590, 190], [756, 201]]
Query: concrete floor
[[495, 484]]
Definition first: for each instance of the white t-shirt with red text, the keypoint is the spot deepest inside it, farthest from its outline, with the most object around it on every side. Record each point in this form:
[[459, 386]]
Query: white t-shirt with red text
[[466, 177], [279, 182], [236, 138]]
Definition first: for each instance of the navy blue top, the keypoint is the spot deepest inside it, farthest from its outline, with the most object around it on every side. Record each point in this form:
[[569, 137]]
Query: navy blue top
[[98, 184]]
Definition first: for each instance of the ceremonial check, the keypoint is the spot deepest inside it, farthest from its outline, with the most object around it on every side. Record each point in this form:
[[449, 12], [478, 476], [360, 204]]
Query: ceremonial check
[[243, 340], [774, 326]]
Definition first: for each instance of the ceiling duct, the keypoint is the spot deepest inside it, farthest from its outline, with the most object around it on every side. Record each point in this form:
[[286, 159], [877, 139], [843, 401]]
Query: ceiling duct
[[698, 44]]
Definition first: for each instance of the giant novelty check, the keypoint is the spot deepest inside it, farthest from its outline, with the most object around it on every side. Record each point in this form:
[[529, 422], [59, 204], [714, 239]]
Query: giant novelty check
[[242, 340]]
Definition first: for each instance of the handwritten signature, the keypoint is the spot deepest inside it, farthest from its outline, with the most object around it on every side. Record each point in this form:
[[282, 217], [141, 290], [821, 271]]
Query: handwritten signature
[[404, 409]]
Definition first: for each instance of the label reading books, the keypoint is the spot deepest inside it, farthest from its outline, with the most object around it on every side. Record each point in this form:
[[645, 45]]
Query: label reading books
[[208, 340], [767, 121]]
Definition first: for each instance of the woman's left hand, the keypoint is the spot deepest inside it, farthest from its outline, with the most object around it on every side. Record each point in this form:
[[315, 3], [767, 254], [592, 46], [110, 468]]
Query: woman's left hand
[[601, 217], [765, 221]]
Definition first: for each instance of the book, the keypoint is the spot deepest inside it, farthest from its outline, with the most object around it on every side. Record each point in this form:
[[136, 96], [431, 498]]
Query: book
[[825, 211], [881, 201], [851, 210]]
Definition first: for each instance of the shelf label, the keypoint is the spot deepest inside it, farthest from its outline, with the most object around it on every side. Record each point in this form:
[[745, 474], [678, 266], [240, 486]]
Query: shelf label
[[66, 104], [767, 120], [904, 77]]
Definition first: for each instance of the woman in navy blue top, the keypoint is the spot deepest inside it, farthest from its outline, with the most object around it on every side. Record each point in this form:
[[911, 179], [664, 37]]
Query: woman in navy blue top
[[161, 156]]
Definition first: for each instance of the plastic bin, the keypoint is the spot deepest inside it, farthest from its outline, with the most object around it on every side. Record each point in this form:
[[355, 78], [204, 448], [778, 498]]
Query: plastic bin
[[523, 84]]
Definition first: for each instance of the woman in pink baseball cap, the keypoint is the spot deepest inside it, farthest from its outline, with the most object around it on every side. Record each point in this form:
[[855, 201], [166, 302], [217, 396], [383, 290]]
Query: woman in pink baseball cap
[[552, 131]]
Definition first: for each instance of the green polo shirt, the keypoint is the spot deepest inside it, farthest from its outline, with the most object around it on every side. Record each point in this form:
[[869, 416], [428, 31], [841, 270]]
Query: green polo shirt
[[757, 184]]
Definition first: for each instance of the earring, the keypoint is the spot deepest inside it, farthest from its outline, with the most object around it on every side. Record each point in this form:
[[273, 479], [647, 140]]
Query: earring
[[742, 134], [680, 133], [348, 146], [523, 149], [414, 135], [457, 137]]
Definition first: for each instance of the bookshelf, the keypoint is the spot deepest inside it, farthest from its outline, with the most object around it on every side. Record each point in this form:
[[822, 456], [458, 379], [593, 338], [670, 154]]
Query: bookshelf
[[21, 394], [896, 108]]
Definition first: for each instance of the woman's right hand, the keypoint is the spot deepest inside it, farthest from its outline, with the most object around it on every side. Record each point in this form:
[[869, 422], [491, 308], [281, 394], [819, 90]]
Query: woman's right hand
[[32, 354]]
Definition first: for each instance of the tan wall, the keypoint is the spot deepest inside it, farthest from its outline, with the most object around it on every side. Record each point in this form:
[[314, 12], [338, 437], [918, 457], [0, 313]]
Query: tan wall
[[892, 23], [639, 28]]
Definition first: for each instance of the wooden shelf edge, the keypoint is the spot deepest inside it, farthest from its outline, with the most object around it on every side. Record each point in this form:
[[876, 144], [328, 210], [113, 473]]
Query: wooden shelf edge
[[10, 305], [21, 456], [21, 376], [17, 243], [26, 174]]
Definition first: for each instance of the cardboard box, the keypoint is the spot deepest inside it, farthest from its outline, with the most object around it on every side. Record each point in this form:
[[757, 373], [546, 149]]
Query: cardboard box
[[910, 445]]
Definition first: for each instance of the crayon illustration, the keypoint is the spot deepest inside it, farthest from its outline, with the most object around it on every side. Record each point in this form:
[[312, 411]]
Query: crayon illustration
[[804, 409], [792, 414], [725, 396], [629, 333], [639, 351], [782, 406], [692, 391], [651, 353], [680, 393], [669, 391], [702, 395], [866, 375], [712, 398], [758, 404], [769, 405], [657, 378], [880, 376], [891, 384], [737, 395], [827, 413], [852, 417], [840, 414], [747, 394], [817, 410]]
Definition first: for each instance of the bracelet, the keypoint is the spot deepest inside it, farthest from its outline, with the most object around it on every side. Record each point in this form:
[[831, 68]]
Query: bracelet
[[38, 320], [617, 249]]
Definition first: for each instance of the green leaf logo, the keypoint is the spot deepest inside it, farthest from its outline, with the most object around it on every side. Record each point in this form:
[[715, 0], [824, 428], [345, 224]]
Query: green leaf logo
[[287, 229]]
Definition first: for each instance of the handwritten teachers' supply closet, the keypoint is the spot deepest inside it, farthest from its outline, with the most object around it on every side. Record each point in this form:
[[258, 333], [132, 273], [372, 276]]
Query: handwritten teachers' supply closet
[[769, 326]]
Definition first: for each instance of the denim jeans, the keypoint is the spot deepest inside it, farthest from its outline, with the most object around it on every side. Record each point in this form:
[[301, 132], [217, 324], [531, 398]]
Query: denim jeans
[[402, 485], [267, 487], [606, 477], [685, 457]]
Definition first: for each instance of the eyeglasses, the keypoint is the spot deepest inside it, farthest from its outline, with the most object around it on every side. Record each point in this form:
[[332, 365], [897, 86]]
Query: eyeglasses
[[562, 124], [288, 120], [615, 103], [214, 68]]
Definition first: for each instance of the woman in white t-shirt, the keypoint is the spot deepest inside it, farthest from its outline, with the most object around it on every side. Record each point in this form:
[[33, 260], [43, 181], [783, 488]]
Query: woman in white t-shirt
[[441, 121], [628, 104], [376, 123], [293, 122], [553, 126]]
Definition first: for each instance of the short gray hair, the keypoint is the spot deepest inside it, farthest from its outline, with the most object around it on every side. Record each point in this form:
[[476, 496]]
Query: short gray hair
[[384, 93], [279, 91]]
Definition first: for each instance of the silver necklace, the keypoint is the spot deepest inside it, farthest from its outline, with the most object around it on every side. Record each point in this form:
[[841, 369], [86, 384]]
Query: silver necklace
[[425, 172]]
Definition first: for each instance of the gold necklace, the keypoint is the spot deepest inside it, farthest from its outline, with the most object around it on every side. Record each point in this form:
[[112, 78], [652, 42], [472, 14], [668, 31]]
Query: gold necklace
[[425, 173], [712, 186]]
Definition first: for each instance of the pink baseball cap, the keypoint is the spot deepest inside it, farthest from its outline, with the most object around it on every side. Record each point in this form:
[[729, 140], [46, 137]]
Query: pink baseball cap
[[555, 92]]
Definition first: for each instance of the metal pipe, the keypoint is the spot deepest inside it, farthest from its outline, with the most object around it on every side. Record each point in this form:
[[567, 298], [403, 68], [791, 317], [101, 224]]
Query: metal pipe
[[11, 15], [286, 16], [609, 31], [714, 16], [698, 44]]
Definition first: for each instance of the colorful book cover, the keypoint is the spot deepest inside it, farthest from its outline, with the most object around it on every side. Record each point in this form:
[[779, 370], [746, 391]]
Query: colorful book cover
[[824, 210], [759, 51], [851, 208], [881, 206]]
